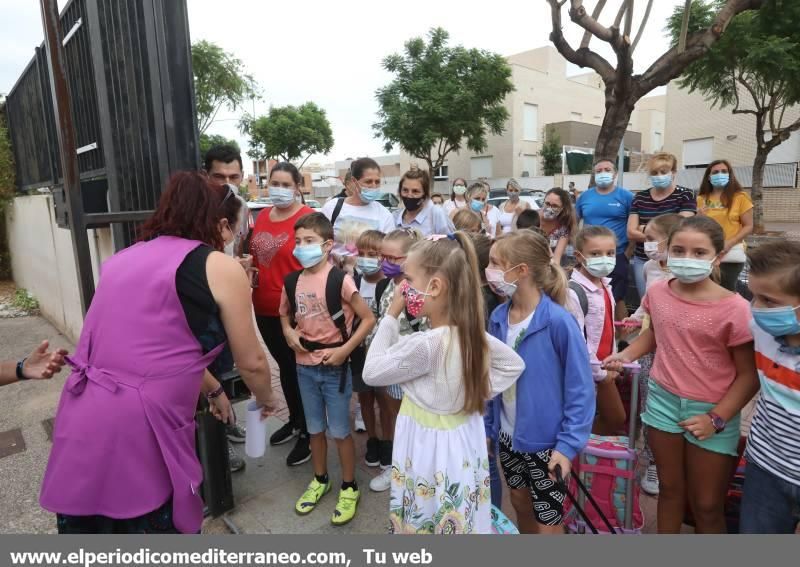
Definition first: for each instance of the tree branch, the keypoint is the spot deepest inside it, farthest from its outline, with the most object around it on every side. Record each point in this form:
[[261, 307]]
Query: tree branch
[[582, 57], [628, 19], [642, 26], [620, 14], [673, 62], [210, 120], [577, 13], [304, 161], [587, 36]]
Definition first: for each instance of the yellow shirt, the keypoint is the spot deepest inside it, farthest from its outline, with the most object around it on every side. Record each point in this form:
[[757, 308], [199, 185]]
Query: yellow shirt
[[730, 219]]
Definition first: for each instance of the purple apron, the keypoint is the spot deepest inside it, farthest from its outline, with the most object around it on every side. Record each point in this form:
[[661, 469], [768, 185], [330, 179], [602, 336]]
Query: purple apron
[[124, 436]]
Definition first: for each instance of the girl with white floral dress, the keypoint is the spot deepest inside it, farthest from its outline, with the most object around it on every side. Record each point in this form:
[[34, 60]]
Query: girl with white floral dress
[[440, 466]]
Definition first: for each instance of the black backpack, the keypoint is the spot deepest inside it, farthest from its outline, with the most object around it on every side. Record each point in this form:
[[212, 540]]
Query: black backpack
[[333, 300], [582, 298]]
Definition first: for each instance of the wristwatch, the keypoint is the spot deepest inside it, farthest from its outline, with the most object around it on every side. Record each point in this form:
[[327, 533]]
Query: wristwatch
[[20, 373], [718, 423]]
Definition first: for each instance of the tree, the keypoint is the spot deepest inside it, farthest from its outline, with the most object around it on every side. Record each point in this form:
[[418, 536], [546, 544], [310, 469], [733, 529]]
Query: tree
[[208, 141], [7, 190], [289, 132], [441, 98], [753, 70], [219, 80], [551, 152], [623, 89]]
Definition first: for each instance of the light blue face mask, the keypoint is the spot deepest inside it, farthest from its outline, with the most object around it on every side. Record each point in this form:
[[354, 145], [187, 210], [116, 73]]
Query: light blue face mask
[[600, 266], [368, 266], [476, 205], [603, 179], [281, 197], [690, 270], [370, 195], [661, 181], [309, 255], [777, 321], [719, 179]]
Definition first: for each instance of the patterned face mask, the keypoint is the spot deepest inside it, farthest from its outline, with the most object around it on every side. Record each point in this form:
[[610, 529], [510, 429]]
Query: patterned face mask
[[415, 299]]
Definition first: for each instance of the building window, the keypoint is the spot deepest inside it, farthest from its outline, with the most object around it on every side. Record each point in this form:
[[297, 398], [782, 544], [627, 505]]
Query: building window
[[698, 153], [658, 141], [529, 165], [440, 173], [576, 116], [480, 167], [531, 122]]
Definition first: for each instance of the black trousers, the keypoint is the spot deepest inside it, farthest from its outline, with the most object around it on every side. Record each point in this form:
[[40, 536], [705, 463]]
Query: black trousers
[[272, 333]]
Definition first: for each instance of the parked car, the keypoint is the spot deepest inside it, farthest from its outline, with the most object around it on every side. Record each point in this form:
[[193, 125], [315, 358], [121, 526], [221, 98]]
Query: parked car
[[313, 203], [256, 206], [389, 200]]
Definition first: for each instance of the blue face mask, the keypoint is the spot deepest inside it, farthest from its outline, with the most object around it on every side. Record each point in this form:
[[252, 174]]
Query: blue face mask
[[309, 255], [476, 205], [600, 266], [370, 195], [603, 179], [777, 321], [281, 197], [690, 270], [661, 181], [719, 179], [368, 266]]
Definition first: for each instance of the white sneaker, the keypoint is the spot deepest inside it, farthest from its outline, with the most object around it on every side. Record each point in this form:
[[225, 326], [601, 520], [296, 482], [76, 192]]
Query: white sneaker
[[650, 480], [359, 420], [382, 482]]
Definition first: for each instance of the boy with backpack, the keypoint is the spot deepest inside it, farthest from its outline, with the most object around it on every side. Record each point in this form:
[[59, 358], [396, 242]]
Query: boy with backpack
[[319, 308]]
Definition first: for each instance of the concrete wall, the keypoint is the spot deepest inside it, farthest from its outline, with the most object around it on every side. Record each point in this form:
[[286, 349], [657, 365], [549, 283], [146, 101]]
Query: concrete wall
[[42, 260]]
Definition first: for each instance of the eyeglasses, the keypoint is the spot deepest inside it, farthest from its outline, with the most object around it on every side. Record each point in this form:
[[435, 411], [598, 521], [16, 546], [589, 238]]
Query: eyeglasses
[[228, 195]]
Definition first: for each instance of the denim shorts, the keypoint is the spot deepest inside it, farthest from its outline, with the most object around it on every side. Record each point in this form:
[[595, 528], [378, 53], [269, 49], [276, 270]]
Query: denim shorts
[[324, 405], [664, 410]]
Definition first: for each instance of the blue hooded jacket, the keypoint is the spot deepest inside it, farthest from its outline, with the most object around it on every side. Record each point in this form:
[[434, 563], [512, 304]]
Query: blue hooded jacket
[[556, 392]]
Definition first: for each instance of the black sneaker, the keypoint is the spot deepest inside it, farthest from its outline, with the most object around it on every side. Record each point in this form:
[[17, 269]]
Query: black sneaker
[[236, 433], [301, 452], [283, 435], [373, 456], [235, 462]]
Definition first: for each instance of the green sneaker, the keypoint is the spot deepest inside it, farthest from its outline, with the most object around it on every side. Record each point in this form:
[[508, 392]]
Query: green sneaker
[[311, 497], [345, 507]]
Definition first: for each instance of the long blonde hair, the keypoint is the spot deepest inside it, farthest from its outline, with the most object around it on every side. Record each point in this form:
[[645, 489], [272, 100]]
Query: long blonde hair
[[455, 261], [532, 249]]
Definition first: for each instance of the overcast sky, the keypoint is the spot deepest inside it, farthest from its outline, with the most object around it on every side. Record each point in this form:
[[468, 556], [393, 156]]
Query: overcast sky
[[331, 52]]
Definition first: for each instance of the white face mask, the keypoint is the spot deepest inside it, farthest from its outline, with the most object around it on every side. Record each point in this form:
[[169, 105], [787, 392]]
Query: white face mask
[[600, 266], [459, 189], [651, 250]]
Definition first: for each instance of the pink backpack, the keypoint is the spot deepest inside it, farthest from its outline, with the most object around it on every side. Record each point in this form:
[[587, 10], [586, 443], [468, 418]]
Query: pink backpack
[[606, 471]]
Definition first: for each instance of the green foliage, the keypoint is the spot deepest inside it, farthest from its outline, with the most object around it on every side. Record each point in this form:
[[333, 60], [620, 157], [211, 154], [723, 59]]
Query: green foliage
[[289, 132], [441, 97], [208, 141], [219, 80], [551, 152], [7, 192], [759, 54], [25, 301]]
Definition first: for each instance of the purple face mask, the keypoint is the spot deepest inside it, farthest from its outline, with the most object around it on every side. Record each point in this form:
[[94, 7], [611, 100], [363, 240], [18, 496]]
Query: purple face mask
[[391, 270]]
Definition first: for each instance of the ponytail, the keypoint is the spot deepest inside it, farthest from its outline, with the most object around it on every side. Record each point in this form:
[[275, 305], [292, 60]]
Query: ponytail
[[454, 260]]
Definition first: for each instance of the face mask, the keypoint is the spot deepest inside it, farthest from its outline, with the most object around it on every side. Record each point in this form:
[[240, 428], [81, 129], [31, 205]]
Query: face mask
[[476, 205], [369, 195], [603, 179], [513, 195], [651, 249], [661, 181], [600, 267], [368, 266], [281, 197], [719, 179], [777, 321], [309, 255], [497, 280], [690, 270], [459, 189], [550, 213], [412, 203], [391, 270], [415, 299]]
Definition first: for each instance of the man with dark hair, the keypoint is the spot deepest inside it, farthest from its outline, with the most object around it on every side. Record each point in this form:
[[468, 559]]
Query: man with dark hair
[[224, 165]]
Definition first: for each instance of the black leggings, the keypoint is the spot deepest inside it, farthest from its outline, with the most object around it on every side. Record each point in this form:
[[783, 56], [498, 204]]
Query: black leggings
[[272, 333]]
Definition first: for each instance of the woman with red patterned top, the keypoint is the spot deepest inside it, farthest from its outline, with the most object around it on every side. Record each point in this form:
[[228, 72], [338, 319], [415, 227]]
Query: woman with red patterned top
[[272, 248]]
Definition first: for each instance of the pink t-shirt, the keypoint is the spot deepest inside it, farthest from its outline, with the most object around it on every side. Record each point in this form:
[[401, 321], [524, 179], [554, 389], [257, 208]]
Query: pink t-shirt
[[693, 337], [314, 323]]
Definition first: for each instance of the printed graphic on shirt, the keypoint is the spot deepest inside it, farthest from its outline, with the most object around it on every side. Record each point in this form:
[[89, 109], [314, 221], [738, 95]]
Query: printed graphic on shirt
[[265, 246], [348, 229], [309, 306]]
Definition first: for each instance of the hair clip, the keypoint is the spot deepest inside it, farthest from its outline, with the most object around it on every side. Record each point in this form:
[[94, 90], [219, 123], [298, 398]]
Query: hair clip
[[451, 236], [436, 237]]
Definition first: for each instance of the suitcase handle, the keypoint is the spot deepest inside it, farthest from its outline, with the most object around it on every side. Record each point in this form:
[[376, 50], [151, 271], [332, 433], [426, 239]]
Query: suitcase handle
[[574, 501]]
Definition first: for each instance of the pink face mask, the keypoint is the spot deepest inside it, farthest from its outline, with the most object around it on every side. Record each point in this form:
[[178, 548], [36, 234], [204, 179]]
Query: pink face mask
[[415, 299]]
